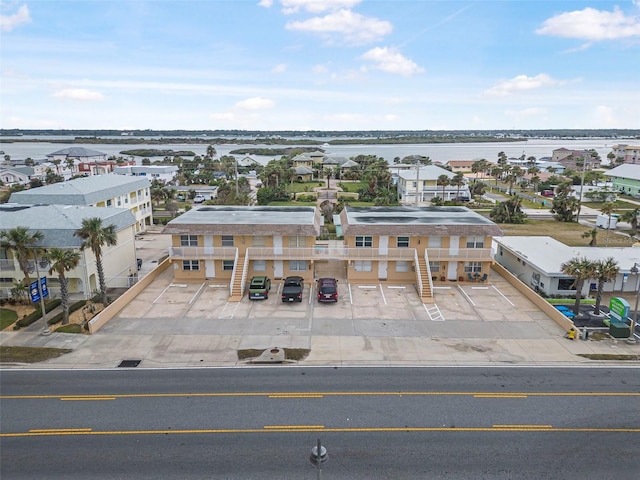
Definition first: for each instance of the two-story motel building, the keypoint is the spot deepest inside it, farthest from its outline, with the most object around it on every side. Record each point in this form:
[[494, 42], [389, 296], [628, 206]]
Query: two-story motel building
[[415, 245]]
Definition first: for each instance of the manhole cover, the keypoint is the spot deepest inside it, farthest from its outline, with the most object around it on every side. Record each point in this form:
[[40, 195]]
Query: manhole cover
[[129, 363]]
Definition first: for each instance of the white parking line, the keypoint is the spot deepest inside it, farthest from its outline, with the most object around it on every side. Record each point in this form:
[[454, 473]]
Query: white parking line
[[350, 295], [512, 304], [382, 293], [465, 294], [162, 292], [195, 295]]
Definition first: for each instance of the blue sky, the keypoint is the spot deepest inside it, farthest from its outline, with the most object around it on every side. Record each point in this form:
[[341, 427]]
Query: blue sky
[[320, 64]]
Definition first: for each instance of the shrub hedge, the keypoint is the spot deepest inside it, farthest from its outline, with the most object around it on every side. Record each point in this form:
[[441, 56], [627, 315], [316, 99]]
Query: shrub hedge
[[37, 314]]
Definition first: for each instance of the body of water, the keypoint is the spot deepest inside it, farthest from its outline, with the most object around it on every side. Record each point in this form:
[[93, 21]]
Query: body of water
[[441, 152]]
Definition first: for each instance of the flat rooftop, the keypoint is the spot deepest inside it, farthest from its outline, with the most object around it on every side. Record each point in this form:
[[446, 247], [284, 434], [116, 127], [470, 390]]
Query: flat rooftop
[[415, 216]]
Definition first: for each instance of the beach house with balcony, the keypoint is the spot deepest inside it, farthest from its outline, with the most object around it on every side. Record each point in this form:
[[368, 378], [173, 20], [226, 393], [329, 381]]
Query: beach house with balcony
[[423, 182], [111, 190], [58, 223], [412, 245]]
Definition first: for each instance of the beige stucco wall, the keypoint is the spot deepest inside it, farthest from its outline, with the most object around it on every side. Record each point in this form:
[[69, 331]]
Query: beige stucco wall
[[536, 299], [97, 322]]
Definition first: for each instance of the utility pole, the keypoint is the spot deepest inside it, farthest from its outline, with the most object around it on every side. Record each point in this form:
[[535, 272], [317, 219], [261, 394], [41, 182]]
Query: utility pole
[[417, 181]]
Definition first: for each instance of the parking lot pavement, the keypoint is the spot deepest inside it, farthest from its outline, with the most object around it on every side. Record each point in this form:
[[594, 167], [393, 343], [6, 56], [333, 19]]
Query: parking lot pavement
[[194, 324]]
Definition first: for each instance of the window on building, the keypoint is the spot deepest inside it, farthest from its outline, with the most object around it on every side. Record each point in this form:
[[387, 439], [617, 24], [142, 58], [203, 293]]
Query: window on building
[[119, 200], [566, 284], [227, 264], [188, 240], [434, 266], [297, 242], [363, 265], [472, 267], [402, 242], [191, 264], [297, 265], [260, 265], [402, 266], [475, 242], [364, 241], [259, 241], [109, 202], [227, 240]]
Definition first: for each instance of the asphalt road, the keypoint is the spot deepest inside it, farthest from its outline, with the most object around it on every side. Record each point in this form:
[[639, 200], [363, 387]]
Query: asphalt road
[[375, 423]]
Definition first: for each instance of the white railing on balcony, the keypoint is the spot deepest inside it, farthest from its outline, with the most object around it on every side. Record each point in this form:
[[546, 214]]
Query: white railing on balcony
[[471, 254], [234, 272], [331, 253], [203, 253], [43, 265]]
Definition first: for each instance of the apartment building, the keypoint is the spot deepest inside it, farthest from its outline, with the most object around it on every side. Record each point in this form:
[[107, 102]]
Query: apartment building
[[58, 224], [422, 181], [163, 173], [132, 193], [628, 153], [575, 159], [381, 244]]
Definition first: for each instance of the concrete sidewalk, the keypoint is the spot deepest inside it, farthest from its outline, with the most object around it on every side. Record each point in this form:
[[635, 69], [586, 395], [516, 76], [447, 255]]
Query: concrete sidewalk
[[107, 350]]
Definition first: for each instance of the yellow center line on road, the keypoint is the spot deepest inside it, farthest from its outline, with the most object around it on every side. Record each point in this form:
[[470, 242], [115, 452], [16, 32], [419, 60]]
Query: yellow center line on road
[[58, 430], [302, 428], [316, 394], [509, 426], [297, 395], [312, 427], [76, 399], [504, 395]]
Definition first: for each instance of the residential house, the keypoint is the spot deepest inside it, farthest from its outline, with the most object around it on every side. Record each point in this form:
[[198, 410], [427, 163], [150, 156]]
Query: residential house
[[381, 244], [132, 193], [16, 175], [625, 178], [422, 181], [463, 166], [537, 262], [628, 153], [101, 168], [303, 174], [575, 159], [72, 157], [58, 223], [163, 173]]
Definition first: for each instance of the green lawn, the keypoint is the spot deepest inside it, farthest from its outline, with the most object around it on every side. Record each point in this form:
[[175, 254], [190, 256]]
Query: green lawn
[[7, 317], [29, 354], [565, 232]]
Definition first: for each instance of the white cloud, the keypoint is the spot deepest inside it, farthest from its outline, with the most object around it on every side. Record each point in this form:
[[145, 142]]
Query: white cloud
[[316, 6], [9, 22], [280, 68], [522, 83], [78, 94], [591, 24], [353, 28], [255, 103], [265, 3], [390, 61]]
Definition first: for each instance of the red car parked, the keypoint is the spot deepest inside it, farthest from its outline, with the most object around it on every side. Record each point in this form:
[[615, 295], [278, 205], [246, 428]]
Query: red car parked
[[327, 290]]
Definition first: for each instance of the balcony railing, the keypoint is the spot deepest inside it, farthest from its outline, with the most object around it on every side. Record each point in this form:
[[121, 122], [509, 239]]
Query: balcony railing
[[469, 254], [330, 253], [203, 253]]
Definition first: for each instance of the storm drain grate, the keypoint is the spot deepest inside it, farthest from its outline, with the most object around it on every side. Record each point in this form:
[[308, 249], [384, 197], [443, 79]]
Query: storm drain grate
[[129, 363]]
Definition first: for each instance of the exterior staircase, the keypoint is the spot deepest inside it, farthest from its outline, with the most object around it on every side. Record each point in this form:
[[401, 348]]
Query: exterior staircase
[[237, 289], [427, 286]]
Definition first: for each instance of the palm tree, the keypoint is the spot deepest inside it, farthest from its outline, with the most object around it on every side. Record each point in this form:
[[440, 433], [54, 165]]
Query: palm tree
[[607, 209], [19, 241], [62, 261], [457, 181], [442, 180], [631, 216], [604, 270], [592, 235], [581, 269], [95, 236]]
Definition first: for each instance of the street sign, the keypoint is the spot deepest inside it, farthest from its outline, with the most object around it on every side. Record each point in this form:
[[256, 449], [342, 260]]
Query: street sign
[[43, 287], [619, 309], [35, 292]]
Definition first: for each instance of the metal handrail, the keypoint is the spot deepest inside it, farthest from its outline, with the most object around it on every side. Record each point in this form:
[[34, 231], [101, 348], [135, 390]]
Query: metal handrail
[[437, 254]]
